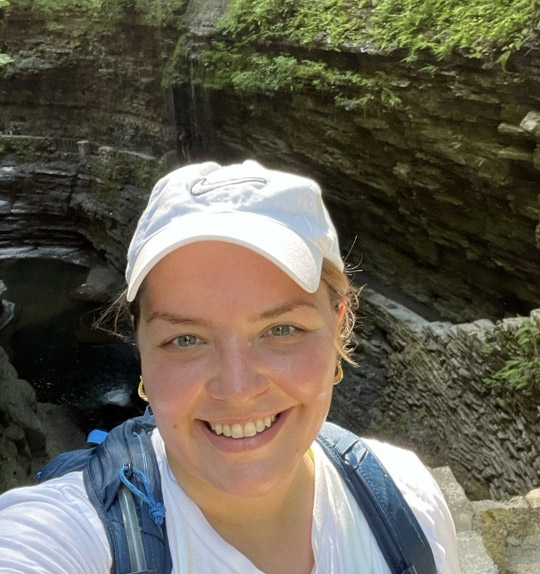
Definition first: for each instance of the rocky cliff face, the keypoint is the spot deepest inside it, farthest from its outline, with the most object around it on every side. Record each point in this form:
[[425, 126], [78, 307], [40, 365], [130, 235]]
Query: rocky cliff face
[[430, 167], [440, 191], [78, 81], [27, 436]]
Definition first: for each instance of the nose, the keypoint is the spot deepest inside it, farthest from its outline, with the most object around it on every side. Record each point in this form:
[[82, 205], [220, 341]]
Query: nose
[[237, 375]]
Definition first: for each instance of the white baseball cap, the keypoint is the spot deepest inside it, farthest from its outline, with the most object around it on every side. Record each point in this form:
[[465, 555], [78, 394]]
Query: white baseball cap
[[279, 215]]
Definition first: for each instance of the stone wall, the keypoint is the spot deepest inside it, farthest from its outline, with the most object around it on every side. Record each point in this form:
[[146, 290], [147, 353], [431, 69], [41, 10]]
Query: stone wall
[[436, 399], [65, 197], [440, 188], [31, 433], [80, 81], [22, 435], [438, 199]]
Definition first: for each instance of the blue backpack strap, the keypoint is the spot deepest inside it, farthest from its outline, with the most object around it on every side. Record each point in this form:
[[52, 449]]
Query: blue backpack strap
[[126, 457], [69, 461], [400, 537]]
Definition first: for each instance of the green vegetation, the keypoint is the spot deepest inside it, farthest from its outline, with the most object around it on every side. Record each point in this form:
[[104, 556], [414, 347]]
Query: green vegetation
[[258, 42], [300, 21], [477, 28], [269, 46], [4, 58], [251, 72], [25, 149], [115, 169], [516, 352]]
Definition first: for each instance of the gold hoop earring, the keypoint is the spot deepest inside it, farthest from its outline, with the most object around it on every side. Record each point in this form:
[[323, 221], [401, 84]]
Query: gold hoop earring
[[338, 375], [140, 391]]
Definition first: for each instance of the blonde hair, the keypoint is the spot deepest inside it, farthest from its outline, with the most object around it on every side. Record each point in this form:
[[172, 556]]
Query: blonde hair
[[342, 291]]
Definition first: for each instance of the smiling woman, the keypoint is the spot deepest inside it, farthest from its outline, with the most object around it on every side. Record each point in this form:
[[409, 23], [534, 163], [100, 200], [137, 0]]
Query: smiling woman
[[260, 347], [241, 313]]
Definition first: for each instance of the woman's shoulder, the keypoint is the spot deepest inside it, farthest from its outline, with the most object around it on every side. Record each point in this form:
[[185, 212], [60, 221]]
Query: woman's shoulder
[[424, 497], [402, 464], [67, 489], [52, 524]]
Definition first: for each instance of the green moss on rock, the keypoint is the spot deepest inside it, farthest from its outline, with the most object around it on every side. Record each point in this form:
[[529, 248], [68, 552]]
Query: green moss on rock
[[260, 45], [512, 537]]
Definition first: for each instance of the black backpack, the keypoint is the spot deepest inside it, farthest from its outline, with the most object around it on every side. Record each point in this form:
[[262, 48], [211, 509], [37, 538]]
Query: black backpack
[[122, 480]]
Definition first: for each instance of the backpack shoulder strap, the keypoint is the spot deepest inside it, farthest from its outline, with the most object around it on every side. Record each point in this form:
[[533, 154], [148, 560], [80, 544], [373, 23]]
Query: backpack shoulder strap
[[400, 537], [126, 457], [65, 462]]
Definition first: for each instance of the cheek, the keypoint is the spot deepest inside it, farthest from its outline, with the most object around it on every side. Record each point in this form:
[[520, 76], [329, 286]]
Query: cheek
[[308, 376], [171, 390]]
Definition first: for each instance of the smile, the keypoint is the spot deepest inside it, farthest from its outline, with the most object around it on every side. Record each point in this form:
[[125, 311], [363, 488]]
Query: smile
[[243, 430]]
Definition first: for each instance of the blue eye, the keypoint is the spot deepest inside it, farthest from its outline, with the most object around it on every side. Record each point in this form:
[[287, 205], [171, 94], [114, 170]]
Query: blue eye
[[185, 341], [282, 330]]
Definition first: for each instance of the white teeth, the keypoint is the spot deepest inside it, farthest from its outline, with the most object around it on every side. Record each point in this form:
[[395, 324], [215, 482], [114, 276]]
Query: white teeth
[[243, 431], [237, 431], [250, 429]]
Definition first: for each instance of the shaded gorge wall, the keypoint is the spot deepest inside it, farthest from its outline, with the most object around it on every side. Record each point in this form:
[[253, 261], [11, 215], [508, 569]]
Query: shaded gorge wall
[[437, 195]]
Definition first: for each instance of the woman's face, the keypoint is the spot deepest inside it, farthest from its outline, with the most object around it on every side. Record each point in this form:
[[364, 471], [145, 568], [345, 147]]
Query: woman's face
[[238, 364]]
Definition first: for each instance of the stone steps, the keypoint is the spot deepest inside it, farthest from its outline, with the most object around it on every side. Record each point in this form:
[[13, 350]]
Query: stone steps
[[511, 530]]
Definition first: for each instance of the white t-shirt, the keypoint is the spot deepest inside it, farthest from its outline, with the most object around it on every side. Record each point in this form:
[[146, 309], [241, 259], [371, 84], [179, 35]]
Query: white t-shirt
[[53, 528]]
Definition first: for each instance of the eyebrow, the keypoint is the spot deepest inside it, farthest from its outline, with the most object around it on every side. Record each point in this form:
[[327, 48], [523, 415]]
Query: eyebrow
[[175, 319], [273, 313], [283, 309]]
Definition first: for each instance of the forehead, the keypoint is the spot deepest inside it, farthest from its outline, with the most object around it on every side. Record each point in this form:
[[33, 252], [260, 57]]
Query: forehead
[[217, 273], [204, 259]]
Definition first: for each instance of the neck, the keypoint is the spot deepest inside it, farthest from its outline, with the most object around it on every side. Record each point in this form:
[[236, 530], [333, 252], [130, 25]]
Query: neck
[[283, 499]]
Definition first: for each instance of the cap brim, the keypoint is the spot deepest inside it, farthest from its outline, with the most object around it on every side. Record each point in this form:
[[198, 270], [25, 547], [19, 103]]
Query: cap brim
[[277, 243]]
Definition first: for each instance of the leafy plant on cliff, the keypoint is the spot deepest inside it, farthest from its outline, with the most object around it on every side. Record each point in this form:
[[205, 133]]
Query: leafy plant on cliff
[[50, 8], [250, 73], [304, 21], [259, 45], [477, 28], [516, 356]]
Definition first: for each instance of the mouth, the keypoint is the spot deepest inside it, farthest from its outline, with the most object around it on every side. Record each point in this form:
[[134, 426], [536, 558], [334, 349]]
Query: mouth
[[247, 430]]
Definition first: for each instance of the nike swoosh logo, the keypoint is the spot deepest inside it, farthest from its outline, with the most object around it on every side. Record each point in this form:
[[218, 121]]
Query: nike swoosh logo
[[203, 186]]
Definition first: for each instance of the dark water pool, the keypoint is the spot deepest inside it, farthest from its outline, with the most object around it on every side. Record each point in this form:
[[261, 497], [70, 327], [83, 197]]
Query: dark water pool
[[48, 340]]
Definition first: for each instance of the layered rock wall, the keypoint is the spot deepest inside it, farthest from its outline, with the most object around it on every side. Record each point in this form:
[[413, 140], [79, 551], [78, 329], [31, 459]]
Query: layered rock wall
[[437, 196], [436, 395], [65, 197], [22, 435], [430, 167], [81, 81]]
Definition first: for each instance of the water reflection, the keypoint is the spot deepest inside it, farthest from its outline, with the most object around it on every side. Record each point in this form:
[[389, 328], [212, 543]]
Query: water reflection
[[51, 346]]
